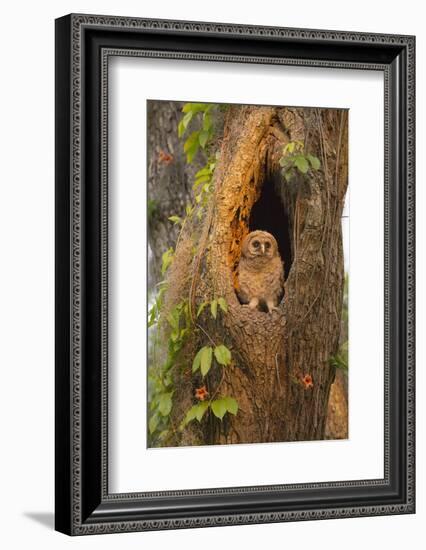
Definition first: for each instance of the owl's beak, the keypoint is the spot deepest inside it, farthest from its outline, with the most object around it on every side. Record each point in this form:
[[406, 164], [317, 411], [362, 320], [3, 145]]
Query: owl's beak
[[263, 248]]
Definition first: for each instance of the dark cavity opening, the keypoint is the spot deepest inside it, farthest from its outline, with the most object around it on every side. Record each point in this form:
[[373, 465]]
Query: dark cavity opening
[[269, 214]]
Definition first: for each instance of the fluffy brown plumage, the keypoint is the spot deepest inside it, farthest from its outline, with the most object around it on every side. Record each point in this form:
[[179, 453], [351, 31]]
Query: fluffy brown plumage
[[260, 271]]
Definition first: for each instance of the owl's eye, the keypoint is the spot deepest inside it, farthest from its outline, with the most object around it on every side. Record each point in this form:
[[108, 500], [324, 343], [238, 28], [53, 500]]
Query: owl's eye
[[256, 244], [267, 244]]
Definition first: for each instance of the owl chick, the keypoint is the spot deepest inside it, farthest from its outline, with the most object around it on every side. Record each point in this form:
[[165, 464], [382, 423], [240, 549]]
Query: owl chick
[[260, 271]]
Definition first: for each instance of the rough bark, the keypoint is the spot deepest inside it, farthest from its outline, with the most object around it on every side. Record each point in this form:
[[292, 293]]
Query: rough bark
[[281, 373], [337, 416], [170, 179]]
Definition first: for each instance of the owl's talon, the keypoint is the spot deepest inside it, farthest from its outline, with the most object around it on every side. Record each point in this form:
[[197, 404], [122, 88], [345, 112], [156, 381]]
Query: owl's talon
[[271, 307], [254, 302]]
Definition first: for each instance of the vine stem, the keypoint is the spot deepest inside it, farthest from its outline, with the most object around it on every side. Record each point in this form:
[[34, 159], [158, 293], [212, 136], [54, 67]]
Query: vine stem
[[218, 386], [278, 371], [205, 333]]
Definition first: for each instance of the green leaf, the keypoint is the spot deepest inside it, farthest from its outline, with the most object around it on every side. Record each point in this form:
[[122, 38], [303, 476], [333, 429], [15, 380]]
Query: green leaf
[[203, 359], [181, 128], [187, 118], [203, 172], [201, 308], [219, 408], [191, 146], [173, 318], [187, 107], [201, 409], [206, 188], [301, 164], [288, 175], [166, 260], [222, 355], [201, 180], [284, 161], [206, 360], [154, 403], [191, 154], [203, 138], [231, 405], [153, 423], [191, 141], [207, 121], [152, 316], [162, 285], [223, 304], [315, 163], [195, 107], [162, 435], [175, 219], [174, 336], [197, 361], [289, 148], [165, 403], [190, 415], [183, 125], [213, 308]]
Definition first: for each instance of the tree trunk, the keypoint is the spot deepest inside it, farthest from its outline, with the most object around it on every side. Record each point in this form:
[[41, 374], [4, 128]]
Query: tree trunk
[[337, 416], [170, 179], [280, 372]]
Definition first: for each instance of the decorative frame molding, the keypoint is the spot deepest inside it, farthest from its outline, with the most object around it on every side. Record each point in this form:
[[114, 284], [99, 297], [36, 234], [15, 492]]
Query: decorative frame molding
[[84, 44]]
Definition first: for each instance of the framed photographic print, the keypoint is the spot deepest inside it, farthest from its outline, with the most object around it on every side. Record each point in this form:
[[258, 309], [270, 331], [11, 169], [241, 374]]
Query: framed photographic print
[[234, 274]]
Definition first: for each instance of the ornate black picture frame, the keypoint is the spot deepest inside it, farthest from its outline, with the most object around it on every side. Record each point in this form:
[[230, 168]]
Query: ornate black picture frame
[[84, 44]]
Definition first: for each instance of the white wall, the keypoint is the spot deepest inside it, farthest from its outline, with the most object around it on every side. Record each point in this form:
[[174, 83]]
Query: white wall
[[26, 289]]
